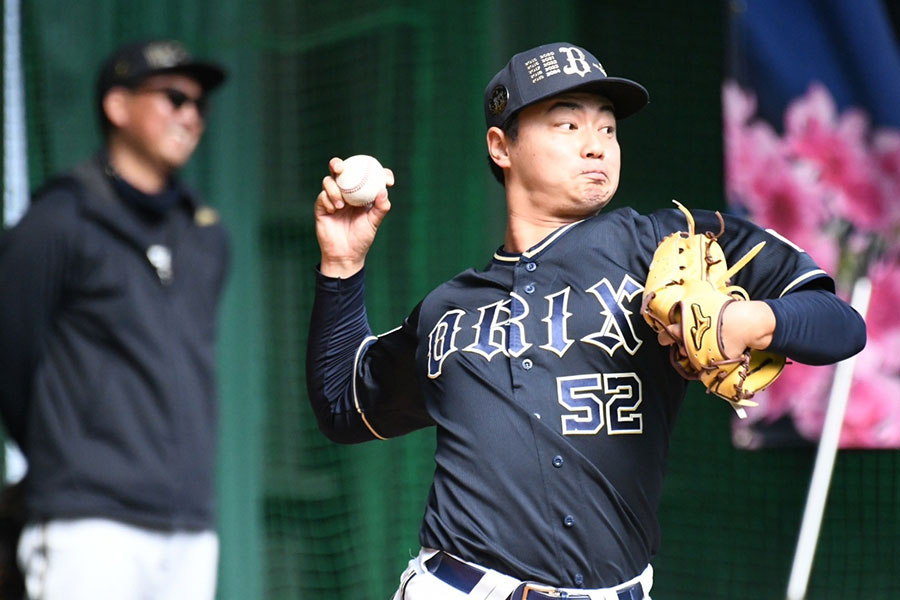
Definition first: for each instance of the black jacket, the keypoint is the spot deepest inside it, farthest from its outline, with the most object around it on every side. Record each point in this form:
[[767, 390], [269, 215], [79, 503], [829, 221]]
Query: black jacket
[[107, 361]]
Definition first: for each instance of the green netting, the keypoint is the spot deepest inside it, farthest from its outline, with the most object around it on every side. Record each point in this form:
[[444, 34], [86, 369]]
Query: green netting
[[302, 518]]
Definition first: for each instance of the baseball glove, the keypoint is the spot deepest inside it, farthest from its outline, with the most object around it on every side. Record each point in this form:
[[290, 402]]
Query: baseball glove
[[689, 284]]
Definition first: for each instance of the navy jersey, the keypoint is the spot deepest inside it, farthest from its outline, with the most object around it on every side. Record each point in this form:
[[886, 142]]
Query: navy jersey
[[553, 400]]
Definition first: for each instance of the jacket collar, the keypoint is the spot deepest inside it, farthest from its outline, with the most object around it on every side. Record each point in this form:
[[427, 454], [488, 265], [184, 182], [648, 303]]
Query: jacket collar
[[101, 202]]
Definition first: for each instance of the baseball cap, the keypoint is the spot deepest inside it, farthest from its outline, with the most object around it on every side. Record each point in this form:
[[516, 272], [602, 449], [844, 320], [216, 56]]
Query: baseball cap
[[551, 69], [132, 63]]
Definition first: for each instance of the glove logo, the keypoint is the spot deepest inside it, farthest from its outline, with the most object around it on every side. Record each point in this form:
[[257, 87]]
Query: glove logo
[[701, 325]]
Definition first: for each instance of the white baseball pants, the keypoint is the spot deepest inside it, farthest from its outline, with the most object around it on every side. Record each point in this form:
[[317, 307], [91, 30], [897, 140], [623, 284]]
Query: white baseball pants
[[417, 583], [93, 559]]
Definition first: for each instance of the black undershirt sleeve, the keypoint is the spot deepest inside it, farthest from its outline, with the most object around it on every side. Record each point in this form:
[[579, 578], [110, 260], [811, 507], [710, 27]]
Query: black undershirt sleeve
[[361, 387], [815, 327], [338, 326]]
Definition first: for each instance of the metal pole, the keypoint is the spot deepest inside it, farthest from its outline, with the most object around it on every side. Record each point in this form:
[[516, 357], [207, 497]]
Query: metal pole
[[825, 457], [15, 155], [15, 161]]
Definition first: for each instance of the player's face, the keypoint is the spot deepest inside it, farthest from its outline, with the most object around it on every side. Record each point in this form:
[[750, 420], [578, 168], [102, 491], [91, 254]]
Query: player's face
[[566, 157], [164, 122]]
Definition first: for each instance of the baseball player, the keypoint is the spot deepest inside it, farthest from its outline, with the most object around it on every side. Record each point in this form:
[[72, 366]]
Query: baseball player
[[553, 400]]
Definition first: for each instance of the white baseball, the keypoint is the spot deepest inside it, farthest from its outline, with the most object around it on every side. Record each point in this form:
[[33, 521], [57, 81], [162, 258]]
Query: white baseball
[[361, 179]]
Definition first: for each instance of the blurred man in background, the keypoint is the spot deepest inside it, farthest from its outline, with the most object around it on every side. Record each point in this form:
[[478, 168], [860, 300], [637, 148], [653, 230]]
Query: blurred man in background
[[109, 289]]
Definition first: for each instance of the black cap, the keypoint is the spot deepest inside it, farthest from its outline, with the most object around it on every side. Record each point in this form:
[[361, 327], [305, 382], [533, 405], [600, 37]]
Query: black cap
[[131, 64], [551, 69]]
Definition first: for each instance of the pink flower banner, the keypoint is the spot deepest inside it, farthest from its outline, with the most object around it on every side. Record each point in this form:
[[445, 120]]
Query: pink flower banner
[[811, 115]]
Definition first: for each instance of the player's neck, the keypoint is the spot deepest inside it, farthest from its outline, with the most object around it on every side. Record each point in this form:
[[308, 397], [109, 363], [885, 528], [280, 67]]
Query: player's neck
[[524, 232], [532, 215], [139, 171]]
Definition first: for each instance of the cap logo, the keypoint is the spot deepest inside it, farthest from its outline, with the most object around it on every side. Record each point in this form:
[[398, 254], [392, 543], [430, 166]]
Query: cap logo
[[498, 100], [121, 68], [543, 66], [577, 63], [164, 54]]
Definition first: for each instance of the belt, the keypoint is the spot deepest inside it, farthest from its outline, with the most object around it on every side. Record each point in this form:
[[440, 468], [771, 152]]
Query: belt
[[465, 577]]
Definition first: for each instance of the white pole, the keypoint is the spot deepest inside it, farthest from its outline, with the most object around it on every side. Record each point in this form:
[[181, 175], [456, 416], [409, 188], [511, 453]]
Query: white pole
[[825, 457], [15, 160], [15, 155]]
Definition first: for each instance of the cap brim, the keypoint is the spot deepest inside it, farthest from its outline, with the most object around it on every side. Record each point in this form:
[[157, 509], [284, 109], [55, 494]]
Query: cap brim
[[208, 75], [627, 96]]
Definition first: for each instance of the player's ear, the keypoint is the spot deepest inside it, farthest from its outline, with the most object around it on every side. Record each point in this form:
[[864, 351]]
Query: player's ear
[[498, 146], [115, 105]]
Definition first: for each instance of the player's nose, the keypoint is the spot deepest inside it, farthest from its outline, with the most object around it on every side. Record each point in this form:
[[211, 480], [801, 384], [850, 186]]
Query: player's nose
[[192, 116], [593, 144]]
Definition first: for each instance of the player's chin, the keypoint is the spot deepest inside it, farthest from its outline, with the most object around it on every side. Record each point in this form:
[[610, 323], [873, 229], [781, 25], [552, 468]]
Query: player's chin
[[178, 155], [178, 148], [581, 210], [598, 193], [595, 201]]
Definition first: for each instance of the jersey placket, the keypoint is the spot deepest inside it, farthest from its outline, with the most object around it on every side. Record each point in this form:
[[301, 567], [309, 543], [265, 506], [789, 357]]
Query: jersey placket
[[521, 364], [553, 466]]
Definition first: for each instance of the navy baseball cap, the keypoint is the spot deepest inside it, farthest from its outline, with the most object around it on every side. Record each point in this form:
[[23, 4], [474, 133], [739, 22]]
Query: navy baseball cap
[[131, 64], [551, 69]]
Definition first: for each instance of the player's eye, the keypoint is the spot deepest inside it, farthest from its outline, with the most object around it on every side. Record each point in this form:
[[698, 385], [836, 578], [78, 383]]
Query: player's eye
[[608, 130], [567, 125]]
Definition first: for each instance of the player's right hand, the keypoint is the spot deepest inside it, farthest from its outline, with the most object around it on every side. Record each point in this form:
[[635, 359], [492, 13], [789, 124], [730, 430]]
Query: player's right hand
[[346, 232]]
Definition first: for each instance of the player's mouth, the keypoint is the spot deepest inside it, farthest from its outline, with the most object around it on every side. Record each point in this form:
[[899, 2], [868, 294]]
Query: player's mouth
[[595, 175], [183, 137]]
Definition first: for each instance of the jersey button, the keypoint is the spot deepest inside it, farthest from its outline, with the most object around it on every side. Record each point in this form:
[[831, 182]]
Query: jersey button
[[529, 289], [569, 521], [579, 579], [530, 266], [527, 364], [557, 461]]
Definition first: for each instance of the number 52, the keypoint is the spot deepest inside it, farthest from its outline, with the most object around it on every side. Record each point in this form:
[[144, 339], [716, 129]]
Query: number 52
[[599, 399]]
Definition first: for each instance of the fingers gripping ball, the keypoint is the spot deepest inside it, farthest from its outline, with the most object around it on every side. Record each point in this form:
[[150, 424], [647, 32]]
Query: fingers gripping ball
[[688, 285], [361, 180]]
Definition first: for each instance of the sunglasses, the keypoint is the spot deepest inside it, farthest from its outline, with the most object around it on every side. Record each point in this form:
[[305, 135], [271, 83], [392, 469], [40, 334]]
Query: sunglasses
[[177, 98]]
